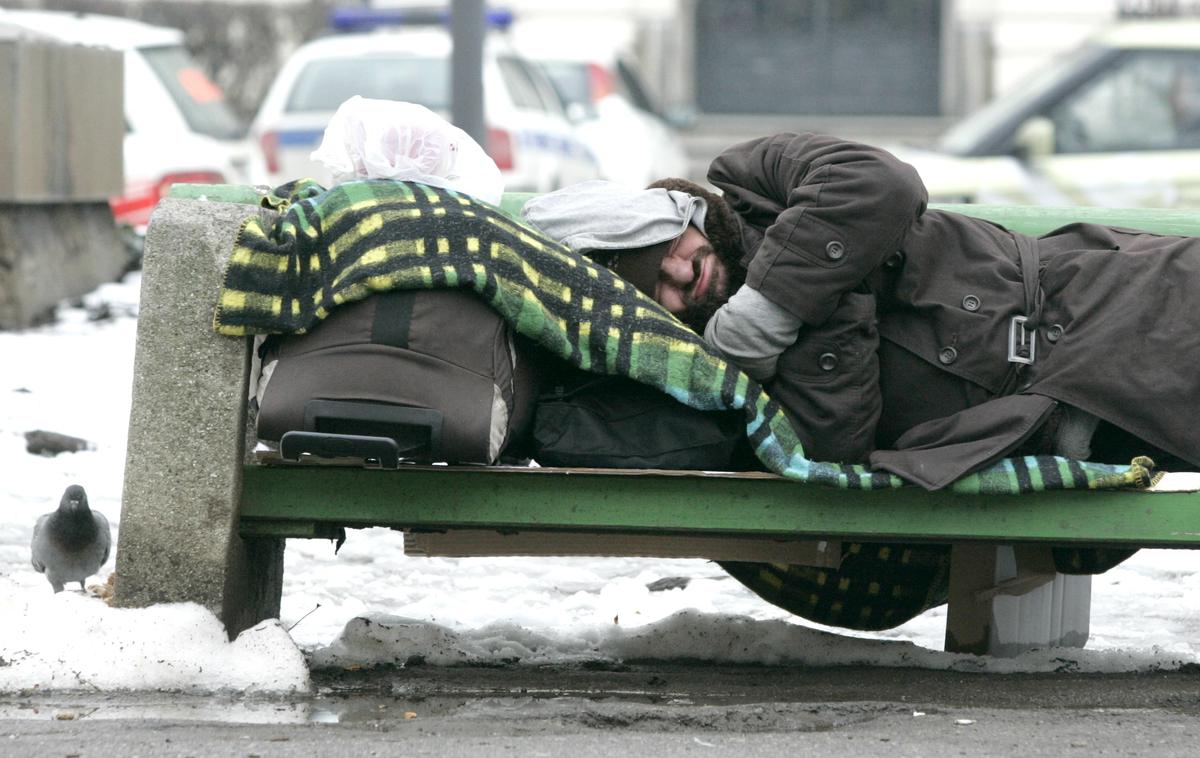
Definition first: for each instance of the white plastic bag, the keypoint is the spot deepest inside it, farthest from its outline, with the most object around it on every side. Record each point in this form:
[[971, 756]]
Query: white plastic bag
[[390, 139]]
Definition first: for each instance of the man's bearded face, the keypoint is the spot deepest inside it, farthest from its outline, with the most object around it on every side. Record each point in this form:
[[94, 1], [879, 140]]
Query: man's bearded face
[[693, 280]]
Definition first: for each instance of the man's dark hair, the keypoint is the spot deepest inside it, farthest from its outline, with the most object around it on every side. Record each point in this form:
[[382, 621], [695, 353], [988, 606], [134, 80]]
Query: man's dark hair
[[721, 223]]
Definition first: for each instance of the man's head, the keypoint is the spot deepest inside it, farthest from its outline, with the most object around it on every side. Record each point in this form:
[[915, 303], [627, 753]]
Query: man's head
[[700, 270], [675, 241]]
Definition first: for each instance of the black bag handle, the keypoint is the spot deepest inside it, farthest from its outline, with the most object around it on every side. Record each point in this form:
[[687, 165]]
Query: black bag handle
[[392, 432]]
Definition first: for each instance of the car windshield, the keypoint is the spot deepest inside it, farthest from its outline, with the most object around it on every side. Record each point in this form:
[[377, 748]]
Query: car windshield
[[571, 81], [969, 134], [323, 85], [202, 103]]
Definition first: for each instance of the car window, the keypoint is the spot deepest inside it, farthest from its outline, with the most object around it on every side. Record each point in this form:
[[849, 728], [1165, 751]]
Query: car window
[[1185, 102], [1148, 101], [520, 85], [552, 101], [323, 85], [202, 103], [988, 131], [571, 80]]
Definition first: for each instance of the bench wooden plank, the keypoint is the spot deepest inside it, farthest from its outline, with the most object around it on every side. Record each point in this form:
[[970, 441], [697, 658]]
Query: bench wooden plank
[[442, 497], [1027, 219], [466, 543]]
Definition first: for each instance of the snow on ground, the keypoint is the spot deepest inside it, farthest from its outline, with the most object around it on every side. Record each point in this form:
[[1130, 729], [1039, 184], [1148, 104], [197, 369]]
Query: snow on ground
[[70, 642], [371, 604]]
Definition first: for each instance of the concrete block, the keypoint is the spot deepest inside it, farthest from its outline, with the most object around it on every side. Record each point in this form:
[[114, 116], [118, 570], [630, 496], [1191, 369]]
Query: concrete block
[[63, 126], [179, 515], [53, 251]]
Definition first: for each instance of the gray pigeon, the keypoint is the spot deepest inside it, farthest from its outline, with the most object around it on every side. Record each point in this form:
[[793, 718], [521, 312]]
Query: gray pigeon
[[72, 543]]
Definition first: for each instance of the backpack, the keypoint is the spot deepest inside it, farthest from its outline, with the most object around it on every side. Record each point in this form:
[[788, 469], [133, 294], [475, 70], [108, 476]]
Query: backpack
[[420, 375], [587, 420]]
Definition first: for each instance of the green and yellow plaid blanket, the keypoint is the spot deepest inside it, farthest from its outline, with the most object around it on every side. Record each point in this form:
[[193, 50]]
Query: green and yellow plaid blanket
[[334, 246]]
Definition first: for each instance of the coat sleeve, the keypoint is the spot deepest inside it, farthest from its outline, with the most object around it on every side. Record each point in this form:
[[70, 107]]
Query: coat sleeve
[[833, 211]]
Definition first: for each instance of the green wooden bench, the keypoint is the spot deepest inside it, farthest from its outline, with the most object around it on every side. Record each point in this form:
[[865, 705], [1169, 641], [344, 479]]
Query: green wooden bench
[[203, 520]]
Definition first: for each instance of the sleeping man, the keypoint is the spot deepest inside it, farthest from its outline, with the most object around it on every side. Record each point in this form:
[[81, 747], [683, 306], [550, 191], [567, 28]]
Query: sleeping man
[[924, 342]]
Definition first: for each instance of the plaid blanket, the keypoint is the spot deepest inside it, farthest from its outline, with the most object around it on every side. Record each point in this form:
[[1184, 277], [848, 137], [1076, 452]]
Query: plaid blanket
[[334, 246]]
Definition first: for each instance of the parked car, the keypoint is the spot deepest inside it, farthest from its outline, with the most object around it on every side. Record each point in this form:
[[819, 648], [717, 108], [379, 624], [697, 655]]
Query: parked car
[[528, 135], [611, 109], [1115, 123], [178, 126]]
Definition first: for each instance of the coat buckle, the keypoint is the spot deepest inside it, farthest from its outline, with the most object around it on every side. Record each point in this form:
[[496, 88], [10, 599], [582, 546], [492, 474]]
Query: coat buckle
[[1022, 347]]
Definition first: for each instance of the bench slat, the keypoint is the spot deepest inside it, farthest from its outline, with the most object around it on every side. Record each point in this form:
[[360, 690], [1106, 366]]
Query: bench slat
[[441, 497]]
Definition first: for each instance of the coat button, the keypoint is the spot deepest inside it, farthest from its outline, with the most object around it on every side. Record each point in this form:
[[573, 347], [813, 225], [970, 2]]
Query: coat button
[[835, 250], [947, 355], [827, 361], [1054, 332], [971, 303]]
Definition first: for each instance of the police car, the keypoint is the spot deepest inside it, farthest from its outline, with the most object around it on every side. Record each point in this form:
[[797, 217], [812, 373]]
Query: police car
[[528, 135], [178, 126], [608, 104], [1116, 123]]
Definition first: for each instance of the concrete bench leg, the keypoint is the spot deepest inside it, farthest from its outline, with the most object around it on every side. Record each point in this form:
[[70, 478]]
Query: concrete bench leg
[[1005, 600], [183, 473]]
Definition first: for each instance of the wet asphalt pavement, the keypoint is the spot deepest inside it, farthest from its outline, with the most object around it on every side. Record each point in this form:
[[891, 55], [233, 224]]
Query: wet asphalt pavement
[[662, 710]]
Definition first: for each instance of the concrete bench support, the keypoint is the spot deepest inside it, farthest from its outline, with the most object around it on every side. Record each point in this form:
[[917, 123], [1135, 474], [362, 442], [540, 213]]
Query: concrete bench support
[[179, 536]]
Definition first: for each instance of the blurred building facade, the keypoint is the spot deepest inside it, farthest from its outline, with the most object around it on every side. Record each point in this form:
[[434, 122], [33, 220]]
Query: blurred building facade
[[883, 70], [900, 68], [877, 70]]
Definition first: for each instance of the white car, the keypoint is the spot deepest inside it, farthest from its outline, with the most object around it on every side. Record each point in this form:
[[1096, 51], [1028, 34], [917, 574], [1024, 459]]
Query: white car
[[611, 110], [1116, 123], [528, 135], [178, 126]]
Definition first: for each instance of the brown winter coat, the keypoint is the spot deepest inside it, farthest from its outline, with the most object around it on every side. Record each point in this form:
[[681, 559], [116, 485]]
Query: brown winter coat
[[915, 307]]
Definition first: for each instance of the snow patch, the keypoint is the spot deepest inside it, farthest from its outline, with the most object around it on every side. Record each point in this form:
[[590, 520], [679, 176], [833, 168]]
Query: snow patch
[[380, 639], [68, 641]]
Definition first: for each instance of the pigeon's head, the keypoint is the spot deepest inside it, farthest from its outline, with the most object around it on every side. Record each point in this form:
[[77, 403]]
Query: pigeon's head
[[74, 500]]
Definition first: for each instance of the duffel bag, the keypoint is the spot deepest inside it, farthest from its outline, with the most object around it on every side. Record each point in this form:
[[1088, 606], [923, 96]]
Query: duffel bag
[[437, 373]]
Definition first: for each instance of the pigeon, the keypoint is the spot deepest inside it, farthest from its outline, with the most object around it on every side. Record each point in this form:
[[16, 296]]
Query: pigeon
[[72, 543]]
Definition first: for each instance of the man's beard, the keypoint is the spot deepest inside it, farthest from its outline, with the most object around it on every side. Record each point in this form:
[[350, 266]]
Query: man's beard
[[696, 314]]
